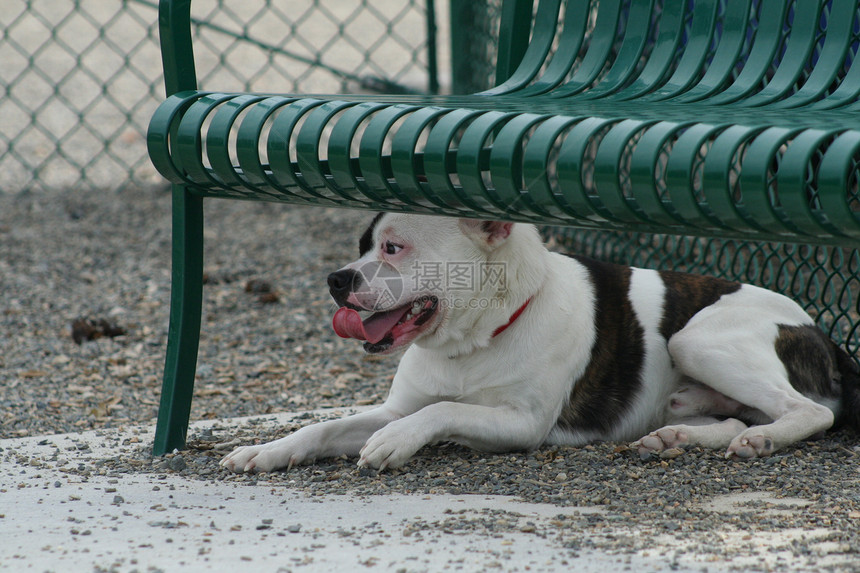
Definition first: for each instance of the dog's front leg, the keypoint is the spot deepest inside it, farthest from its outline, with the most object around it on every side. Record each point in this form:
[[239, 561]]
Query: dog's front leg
[[502, 428], [326, 439]]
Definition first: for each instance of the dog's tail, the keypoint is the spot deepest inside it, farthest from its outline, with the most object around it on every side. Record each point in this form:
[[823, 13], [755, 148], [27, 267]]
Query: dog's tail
[[850, 381]]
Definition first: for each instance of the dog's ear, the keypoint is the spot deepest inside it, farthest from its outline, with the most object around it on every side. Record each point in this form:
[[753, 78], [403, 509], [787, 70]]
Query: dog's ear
[[487, 234]]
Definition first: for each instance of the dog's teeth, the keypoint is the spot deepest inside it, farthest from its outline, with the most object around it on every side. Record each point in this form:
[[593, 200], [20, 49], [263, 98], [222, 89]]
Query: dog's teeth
[[417, 307]]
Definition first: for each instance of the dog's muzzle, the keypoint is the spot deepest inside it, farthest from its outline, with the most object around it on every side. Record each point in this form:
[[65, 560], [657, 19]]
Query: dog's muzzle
[[341, 283]]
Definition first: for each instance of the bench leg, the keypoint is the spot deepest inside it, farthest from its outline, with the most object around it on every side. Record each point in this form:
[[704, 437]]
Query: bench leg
[[186, 301]]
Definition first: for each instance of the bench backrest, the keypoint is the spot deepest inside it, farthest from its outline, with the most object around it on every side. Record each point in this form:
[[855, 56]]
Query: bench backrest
[[744, 52]]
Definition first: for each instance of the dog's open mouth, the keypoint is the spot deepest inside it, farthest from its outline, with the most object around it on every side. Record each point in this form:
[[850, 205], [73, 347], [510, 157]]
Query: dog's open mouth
[[385, 330]]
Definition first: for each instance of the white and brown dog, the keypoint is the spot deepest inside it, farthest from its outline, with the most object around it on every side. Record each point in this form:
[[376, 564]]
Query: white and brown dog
[[513, 346]]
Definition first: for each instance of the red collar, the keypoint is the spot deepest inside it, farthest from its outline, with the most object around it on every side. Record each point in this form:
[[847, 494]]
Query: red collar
[[514, 316]]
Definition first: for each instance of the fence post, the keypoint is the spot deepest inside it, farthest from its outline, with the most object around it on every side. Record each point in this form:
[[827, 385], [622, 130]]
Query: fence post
[[432, 59], [477, 42], [469, 27]]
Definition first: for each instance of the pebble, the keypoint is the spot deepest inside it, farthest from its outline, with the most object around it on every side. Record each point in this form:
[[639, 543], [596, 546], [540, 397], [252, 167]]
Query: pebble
[[177, 464], [671, 453]]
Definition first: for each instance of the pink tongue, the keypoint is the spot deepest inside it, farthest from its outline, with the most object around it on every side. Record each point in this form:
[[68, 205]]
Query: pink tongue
[[347, 324]]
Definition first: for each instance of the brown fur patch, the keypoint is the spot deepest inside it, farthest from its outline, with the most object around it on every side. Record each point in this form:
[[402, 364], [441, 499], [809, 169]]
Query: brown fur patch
[[686, 295], [809, 357], [602, 395]]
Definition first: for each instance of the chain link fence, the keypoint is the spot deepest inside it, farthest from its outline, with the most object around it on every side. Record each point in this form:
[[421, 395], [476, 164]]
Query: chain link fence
[[474, 38], [824, 280], [81, 78]]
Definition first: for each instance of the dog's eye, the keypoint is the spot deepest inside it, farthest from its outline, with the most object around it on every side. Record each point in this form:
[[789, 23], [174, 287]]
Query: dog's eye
[[391, 248]]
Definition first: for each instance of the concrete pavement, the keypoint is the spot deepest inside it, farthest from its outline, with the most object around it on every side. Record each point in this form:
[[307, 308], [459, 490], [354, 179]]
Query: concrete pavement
[[61, 510]]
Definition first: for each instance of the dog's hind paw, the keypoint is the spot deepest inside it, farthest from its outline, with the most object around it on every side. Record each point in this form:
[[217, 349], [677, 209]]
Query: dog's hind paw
[[660, 440], [750, 445]]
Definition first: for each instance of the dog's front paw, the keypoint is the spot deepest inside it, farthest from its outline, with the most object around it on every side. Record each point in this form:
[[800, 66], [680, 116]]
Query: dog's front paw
[[262, 458], [662, 439], [390, 447], [750, 444], [241, 459]]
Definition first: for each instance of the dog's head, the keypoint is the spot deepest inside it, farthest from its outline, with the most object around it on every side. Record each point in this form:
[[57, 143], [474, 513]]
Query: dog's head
[[421, 278]]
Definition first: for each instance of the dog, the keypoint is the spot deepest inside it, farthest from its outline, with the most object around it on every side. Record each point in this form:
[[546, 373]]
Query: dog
[[510, 346]]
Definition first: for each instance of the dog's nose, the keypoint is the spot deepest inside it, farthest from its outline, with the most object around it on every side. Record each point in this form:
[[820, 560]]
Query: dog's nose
[[341, 283]]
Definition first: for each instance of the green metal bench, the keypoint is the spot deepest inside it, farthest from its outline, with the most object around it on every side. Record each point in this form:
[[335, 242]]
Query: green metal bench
[[705, 118]]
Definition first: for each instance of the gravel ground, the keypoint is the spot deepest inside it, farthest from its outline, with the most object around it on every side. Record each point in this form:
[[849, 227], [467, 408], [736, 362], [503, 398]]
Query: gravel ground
[[103, 258]]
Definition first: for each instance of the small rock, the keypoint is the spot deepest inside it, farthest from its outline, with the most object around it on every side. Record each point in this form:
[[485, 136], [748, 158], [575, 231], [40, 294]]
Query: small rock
[[177, 464], [266, 293], [671, 453], [258, 286], [86, 329], [268, 298]]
